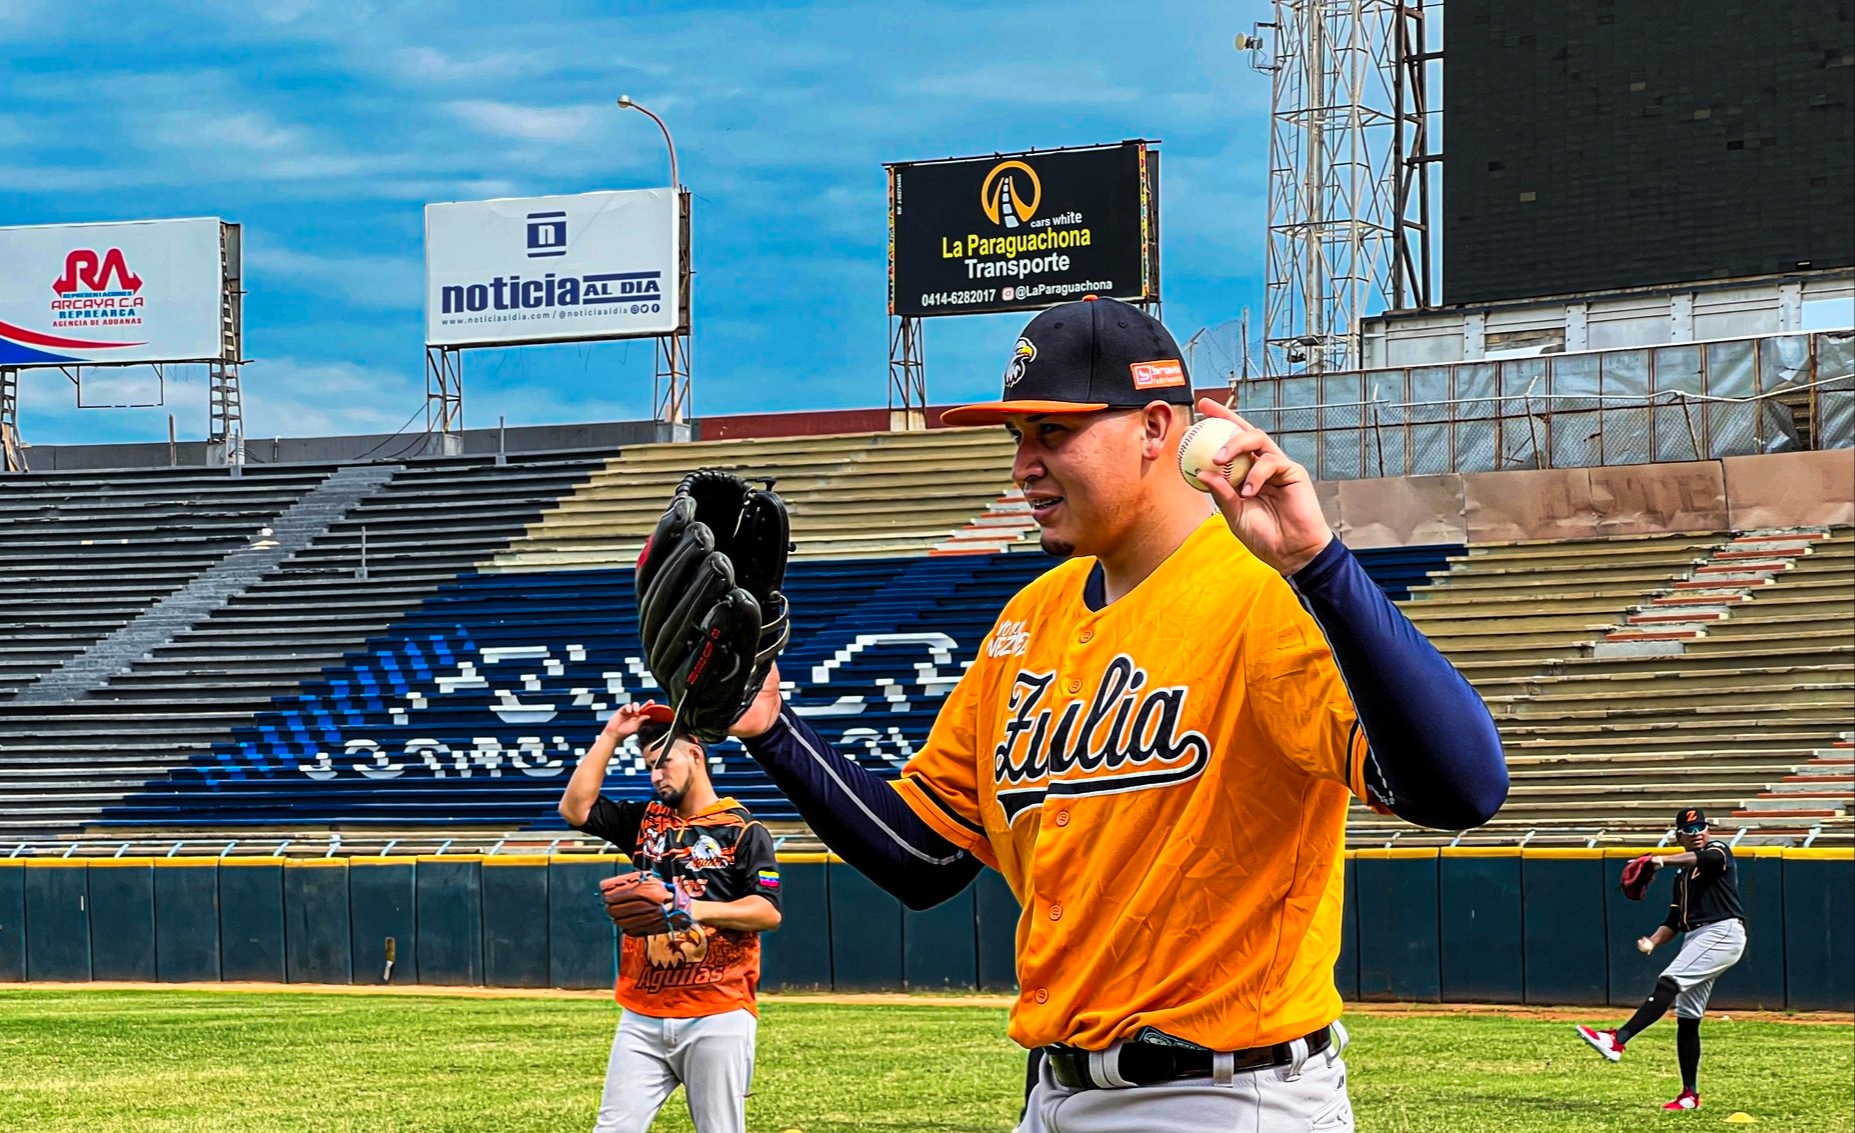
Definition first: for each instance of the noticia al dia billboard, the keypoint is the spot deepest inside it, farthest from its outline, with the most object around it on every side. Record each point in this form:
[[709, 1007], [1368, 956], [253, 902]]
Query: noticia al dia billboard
[[1024, 231], [557, 269], [110, 294]]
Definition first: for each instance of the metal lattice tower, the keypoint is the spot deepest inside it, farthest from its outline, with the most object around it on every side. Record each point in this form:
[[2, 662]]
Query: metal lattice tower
[[1348, 193]]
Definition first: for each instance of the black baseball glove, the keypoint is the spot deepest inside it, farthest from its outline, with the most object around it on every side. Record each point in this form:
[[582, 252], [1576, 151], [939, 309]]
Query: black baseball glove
[[709, 603]]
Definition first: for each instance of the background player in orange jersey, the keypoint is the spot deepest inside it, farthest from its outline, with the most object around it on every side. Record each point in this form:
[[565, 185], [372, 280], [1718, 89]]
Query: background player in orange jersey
[[1156, 747], [707, 886]]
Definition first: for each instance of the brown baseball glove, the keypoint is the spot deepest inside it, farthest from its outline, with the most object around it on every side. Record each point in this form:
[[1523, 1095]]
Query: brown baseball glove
[[1636, 877], [642, 905]]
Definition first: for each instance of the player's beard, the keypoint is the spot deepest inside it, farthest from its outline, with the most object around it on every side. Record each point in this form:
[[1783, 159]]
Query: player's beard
[[1052, 545], [671, 797]]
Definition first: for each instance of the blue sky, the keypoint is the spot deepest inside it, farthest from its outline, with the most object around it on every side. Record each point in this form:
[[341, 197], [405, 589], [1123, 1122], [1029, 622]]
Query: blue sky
[[324, 129]]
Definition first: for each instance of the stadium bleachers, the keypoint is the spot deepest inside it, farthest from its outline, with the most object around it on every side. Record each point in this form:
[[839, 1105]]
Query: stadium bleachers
[[1607, 742], [451, 673], [477, 705], [61, 763], [86, 552], [853, 496]]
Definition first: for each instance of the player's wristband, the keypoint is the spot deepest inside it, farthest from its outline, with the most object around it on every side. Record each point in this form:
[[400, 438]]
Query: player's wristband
[[676, 910]]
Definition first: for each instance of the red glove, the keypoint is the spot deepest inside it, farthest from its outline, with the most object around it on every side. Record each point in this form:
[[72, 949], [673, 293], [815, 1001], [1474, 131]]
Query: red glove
[[1636, 877]]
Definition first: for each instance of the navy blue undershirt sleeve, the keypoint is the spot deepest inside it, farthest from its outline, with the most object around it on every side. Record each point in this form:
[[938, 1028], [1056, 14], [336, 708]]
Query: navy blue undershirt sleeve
[[1435, 755], [860, 816]]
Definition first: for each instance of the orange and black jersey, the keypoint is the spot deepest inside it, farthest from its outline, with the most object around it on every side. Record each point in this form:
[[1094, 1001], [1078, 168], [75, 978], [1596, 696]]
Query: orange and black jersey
[[721, 854], [1706, 892]]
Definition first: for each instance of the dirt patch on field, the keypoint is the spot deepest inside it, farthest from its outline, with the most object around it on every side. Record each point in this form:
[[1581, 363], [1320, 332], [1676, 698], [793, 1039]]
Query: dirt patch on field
[[924, 999]]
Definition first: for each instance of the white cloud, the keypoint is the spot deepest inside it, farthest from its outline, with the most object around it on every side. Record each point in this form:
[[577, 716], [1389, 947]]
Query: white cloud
[[387, 282], [532, 123], [430, 65], [291, 397], [250, 131]]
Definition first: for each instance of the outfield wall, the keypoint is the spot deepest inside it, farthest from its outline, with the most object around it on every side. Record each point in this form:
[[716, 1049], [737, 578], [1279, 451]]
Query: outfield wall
[[1545, 926]]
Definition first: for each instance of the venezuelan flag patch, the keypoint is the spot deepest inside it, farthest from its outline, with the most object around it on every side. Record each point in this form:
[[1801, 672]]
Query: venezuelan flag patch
[[769, 879]]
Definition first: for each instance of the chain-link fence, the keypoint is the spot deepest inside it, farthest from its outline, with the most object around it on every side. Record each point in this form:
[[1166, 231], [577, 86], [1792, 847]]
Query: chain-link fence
[[1667, 403]]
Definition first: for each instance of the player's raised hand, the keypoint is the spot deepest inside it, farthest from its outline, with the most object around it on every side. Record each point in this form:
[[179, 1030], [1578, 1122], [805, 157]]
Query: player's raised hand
[[1274, 510], [624, 723], [762, 712]]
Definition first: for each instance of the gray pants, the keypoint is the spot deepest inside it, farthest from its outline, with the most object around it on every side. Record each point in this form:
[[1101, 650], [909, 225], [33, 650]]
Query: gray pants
[[1706, 954], [1306, 1096], [713, 1058]]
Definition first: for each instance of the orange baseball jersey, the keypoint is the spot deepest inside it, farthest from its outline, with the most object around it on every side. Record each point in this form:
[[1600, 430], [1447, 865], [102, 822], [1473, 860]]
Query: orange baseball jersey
[[721, 854], [1164, 784]]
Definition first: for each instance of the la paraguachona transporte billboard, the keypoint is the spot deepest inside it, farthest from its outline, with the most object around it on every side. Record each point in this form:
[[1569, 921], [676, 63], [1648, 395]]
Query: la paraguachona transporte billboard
[[119, 293], [574, 268], [1024, 231]]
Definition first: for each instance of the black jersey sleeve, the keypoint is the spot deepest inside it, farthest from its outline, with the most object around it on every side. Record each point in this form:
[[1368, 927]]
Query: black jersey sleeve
[[1713, 859], [756, 865], [617, 823]]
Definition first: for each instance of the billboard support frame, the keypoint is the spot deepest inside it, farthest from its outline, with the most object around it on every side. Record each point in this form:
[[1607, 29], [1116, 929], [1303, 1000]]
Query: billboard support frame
[[15, 454], [672, 393], [907, 374], [444, 400]]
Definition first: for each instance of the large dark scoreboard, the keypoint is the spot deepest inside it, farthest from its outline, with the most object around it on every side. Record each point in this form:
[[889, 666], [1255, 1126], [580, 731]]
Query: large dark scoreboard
[[1594, 145]]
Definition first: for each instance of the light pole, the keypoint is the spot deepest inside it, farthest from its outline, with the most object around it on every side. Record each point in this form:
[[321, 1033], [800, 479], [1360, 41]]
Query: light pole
[[670, 390], [624, 101]]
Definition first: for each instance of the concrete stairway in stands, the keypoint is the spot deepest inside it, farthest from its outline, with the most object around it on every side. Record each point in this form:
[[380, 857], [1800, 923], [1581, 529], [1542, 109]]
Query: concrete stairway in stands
[[430, 522], [293, 530], [85, 553]]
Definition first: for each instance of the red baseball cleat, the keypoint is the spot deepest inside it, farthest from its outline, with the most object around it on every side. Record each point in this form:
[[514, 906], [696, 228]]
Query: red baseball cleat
[[1604, 1042], [1688, 1100]]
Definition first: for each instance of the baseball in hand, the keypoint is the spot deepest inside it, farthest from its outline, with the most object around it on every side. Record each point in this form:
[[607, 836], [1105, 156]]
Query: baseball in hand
[[1198, 450], [1644, 945]]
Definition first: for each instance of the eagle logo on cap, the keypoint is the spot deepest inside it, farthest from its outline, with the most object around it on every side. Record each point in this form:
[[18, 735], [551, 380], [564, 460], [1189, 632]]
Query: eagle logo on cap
[[1025, 351]]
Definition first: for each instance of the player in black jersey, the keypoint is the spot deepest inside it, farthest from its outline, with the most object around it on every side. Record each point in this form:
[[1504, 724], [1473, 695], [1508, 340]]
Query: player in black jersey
[[1707, 908]]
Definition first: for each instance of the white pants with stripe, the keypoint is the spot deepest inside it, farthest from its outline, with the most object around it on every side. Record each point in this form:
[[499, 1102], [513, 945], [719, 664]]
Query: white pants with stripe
[[1309, 1095], [1706, 953], [712, 1057]]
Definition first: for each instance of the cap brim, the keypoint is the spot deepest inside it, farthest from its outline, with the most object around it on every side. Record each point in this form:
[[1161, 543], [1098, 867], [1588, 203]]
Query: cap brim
[[659, 714], [995, 412]]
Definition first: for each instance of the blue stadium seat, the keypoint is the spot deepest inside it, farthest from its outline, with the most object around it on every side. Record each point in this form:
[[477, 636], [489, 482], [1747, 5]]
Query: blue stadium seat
[[475, 706]]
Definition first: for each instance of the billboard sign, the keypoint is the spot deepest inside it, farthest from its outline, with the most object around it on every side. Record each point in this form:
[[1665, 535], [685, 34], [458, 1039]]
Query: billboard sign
[[557, 269], [1023, 231], [110, 294]]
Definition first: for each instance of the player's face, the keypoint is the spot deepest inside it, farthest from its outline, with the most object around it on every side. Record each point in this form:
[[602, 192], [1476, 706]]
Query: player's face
[[1692, 842], [673, 770], [1080, 473]]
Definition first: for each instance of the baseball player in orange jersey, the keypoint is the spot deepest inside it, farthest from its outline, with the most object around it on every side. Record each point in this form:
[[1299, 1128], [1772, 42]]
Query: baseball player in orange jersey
[[1156, 746], [689, 966]]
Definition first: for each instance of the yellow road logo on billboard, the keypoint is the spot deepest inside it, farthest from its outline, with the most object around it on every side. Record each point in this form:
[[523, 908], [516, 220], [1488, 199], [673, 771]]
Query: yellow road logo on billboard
[[1010, 193]]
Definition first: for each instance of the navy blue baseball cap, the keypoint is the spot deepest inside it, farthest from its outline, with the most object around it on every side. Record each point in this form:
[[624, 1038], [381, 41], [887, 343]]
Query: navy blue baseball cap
[[1691, 819], [1084, 357]]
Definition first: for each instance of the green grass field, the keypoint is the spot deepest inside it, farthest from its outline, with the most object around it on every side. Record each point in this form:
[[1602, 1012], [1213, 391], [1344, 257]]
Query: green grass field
[[173, 1061]]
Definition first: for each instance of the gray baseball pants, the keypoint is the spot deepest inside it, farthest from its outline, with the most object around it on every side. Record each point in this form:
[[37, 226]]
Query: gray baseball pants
[[712, 1057], [1308, 1095], [1705, 955]]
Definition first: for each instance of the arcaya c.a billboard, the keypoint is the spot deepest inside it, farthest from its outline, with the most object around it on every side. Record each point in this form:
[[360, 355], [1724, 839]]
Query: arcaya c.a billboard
[[557, 269], [1024, 231], [109, 294]]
